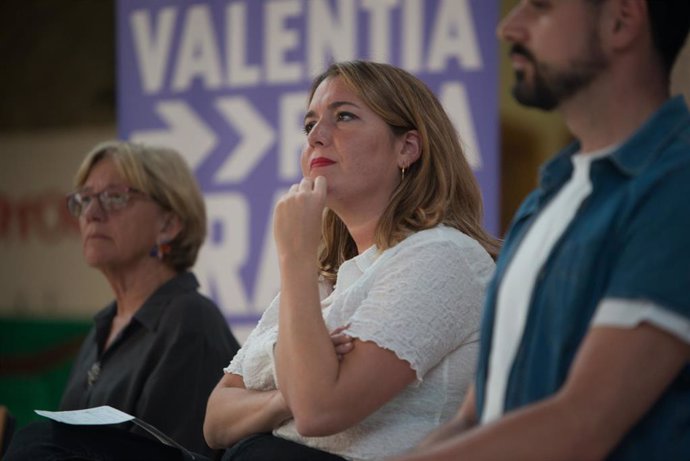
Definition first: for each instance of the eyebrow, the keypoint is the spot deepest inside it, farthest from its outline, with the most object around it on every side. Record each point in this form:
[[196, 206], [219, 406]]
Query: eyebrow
[[331, 106], [107, 186]]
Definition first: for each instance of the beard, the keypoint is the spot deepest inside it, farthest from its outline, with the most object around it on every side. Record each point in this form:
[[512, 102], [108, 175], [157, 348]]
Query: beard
[[549, 86]]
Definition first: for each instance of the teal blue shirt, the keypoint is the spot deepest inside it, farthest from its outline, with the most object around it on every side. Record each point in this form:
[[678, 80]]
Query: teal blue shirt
[[628, 240]]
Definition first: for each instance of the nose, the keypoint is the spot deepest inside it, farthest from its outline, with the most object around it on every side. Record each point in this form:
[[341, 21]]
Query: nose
[[94, 211], [319, 134], [511, 28]]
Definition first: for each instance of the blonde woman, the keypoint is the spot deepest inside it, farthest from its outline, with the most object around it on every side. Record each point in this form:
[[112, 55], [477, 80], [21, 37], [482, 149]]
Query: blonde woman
[[382, 243], [156, 350]]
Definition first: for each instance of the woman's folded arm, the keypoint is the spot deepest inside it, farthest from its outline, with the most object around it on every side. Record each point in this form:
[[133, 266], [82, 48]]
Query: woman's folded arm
[[234, 412]]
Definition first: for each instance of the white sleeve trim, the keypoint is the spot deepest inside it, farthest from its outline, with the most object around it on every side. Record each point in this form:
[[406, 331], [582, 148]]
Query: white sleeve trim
[[628, 313]]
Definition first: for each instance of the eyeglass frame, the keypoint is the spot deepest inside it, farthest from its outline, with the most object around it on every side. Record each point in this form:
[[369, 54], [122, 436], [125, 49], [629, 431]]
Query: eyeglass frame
[[76, 199]]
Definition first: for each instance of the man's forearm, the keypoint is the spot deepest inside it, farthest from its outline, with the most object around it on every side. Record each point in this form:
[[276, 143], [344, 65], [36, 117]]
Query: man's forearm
[[447, 431]]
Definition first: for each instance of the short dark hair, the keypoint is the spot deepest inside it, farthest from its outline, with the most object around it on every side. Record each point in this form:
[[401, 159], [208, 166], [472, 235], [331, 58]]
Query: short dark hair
[[670, 22]]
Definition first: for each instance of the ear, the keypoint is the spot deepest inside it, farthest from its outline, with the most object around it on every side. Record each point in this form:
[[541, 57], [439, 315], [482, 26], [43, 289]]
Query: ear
[[171, 226], [411, 149], [624, 22]]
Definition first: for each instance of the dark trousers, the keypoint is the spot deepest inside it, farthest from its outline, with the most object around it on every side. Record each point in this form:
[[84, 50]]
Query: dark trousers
[[52, 441], [267, 447]]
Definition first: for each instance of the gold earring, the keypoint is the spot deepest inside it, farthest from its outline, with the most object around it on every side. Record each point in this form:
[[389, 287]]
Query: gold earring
[[402, 173]]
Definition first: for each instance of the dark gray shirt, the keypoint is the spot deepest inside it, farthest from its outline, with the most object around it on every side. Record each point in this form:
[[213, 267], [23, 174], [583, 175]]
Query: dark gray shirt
[[162, 366]]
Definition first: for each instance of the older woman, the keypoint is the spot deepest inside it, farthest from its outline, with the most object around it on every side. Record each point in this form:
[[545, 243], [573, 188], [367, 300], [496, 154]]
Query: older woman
[[382, 240], [155, 352]]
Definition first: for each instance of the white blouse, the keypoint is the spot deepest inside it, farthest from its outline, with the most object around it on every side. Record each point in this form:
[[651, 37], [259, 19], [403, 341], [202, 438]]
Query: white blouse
[[421, 299]]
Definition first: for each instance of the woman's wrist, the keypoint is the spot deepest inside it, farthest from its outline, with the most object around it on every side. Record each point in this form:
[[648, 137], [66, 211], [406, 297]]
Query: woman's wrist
[[280, 409]]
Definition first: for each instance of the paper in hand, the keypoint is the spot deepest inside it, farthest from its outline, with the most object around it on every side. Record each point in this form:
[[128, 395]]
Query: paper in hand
[[89, 416], [108, 415]]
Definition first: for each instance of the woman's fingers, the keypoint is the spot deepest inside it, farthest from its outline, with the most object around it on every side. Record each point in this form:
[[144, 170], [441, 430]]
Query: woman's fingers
[[340, 329], [342, 343], [344, 348], [306, 185], [320, 185]]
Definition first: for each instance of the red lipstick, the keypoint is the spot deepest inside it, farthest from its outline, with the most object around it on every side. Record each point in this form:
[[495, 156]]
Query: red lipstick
[[320, 162]]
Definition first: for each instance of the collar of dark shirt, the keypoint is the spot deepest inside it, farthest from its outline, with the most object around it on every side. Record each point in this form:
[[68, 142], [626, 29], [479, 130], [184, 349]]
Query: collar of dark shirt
[[149, 314]]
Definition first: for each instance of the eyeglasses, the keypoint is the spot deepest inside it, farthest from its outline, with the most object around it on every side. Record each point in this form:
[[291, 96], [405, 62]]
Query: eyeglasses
[[111, 199]]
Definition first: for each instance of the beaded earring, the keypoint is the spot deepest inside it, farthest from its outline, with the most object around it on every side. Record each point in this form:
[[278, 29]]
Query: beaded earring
[[160, 250]]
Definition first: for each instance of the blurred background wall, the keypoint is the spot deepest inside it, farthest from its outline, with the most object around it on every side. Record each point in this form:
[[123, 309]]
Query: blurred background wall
[[57, 99]]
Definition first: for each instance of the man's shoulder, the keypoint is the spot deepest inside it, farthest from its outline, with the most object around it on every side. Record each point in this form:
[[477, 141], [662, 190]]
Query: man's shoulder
[[671, 163]]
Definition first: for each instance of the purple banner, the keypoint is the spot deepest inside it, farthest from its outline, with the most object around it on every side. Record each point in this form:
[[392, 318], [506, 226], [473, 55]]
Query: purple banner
[[225, 83]]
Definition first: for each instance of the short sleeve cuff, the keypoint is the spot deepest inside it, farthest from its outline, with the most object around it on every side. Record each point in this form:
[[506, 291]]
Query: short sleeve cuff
[[384, 339], [233, 368], [627, 313]]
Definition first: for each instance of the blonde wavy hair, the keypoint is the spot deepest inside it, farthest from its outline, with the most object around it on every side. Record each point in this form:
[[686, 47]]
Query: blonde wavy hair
[[162, 174], [439, 188]]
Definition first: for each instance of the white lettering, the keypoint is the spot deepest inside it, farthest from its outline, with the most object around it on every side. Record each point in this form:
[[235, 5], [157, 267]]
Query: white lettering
[[411, 35], [379, 27], [454, 37], [256, 138], [328, 38], [453, 97], [280, 40], [239, 72], [268, 274], [292, 138], [152, 49], [225, 252], [185, 130], [198, 56], [297, 39]]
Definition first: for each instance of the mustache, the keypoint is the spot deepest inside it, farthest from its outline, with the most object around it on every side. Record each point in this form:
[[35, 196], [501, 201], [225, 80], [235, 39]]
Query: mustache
[[521, 50]]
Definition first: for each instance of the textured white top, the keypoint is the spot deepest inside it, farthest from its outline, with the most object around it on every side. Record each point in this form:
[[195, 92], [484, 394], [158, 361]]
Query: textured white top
[[421, 299]]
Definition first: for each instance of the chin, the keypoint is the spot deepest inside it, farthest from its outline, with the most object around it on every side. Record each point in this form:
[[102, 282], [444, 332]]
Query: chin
[[94, 263], [315, 173], [95, 258]]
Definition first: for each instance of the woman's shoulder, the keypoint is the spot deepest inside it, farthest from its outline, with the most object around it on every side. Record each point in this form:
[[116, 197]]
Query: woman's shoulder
[[197, 321], [192, 302], [441, 248], [192, 310], [441, 237]]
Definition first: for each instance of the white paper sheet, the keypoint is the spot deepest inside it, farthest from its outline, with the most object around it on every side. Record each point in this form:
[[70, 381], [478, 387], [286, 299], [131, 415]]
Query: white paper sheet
[[88, 416], [108, 415]]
